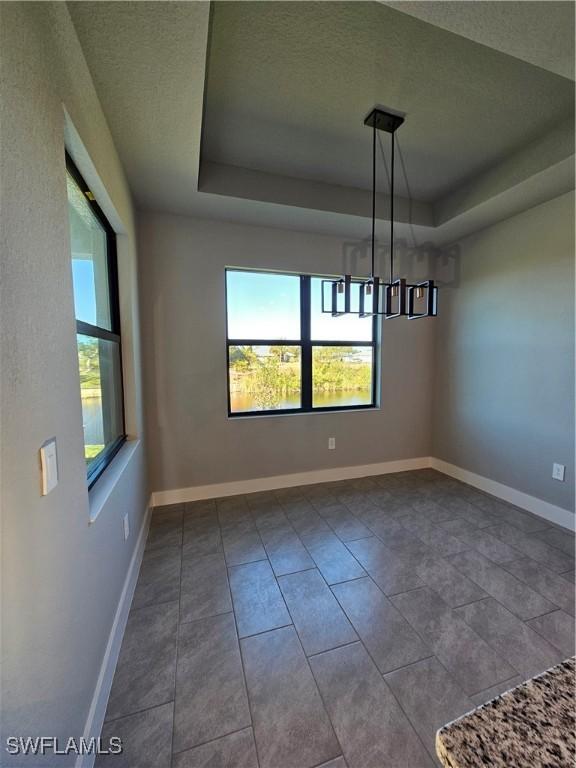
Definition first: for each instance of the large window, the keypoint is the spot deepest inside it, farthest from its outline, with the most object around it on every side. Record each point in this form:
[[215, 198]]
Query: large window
[[95, 278], [286, 356]]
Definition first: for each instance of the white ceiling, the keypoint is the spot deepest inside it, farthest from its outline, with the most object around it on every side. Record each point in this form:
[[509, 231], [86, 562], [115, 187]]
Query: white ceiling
[[283, 98], [289, 85], [541, 33]]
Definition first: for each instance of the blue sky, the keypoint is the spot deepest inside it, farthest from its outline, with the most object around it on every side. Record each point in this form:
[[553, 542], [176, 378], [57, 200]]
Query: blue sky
[[267, 306], [84, 294]]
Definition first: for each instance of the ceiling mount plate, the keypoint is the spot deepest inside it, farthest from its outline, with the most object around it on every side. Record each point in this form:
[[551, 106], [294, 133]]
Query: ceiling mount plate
[[384, 121]]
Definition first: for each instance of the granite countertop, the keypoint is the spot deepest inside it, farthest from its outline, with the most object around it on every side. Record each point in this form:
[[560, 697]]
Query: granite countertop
[[532, 725]]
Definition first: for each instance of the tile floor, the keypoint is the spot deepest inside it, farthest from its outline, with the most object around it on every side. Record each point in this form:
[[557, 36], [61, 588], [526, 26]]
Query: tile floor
[[333, 625]]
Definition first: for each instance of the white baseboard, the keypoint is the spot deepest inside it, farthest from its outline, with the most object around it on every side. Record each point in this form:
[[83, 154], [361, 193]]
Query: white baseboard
[[544, 509], [99, 702], [195, 493]]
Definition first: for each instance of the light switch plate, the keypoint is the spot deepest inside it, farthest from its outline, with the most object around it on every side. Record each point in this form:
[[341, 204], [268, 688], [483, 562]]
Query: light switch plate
[[331, 443], [558, 472], [49, 466]]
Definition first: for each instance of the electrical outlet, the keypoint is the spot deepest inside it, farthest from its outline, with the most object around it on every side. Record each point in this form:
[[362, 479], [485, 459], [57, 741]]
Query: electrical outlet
[[331, 443], [126, 527], [558, 472]]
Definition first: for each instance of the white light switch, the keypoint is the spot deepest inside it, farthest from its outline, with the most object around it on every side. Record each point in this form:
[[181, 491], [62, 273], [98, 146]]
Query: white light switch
[[558, 472], [331, 443], [49, 465]]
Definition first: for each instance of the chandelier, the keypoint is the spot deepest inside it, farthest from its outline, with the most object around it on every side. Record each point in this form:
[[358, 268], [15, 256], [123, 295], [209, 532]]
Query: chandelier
[[397, 297]]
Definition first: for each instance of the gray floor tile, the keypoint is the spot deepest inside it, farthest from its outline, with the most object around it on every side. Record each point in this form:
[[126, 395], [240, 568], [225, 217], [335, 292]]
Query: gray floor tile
[[165, 534], [507, 589], [333, 560], [552, 586], [388, 637], [396, 538], [561, 539], [505, 513], [339, 762], [431, 510], [558, 628], [290, 559], [307, 520], [429, 696], [430, 534], [258, 603], [169, 513], [346, 526], [473, 663], [523, 648], [201, 538], [231, 505], [205, 589], [291, 726], [392, 572], [243, 548], [146, 739], [285, 551], [159, 579], [199, 509], [570, 576], [461, 509], [482, 541], [146, 666], [496, 690], [524, 521], [211, 696], [270, 519], [237, 750], [320, 622], [371, 727], [454, 588], [535, 548]]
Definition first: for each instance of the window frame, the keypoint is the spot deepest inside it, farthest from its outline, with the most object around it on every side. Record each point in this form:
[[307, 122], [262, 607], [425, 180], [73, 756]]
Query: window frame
[[96, 467], [306, 345]]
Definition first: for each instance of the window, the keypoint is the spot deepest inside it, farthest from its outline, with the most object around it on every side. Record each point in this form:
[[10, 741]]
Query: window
[[286, 356], [95, 279]]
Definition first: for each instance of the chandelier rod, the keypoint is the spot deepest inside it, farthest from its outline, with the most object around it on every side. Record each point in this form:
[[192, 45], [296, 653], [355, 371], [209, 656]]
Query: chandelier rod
[[372, 272], [392, 212]]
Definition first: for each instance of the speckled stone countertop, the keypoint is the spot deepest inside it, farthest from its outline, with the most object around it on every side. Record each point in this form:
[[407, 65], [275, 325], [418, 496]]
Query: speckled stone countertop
[[531, 726]]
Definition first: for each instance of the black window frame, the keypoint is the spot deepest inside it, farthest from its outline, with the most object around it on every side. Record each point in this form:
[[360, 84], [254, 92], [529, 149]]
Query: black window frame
[[306, 345], [96, 467]]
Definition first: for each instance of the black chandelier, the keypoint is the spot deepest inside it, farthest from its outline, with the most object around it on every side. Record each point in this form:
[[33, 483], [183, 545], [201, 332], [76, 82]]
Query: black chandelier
[[395, 298]]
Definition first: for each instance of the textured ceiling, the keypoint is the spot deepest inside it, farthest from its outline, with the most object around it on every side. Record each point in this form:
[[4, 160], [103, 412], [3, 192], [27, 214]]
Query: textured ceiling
[[541, 33], [147, 60], [290, 83], [256, 114]]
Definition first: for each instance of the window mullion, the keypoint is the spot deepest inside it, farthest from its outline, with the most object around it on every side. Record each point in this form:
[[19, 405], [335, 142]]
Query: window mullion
[[306, 345]]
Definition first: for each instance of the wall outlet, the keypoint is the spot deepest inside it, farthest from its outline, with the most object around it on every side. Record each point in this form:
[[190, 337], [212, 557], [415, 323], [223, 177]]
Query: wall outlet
[[331, 443], [126, 527], [558, 472]]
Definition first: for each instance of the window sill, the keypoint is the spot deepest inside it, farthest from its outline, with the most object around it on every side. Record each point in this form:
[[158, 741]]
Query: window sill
[[99, 494], [331, 411]]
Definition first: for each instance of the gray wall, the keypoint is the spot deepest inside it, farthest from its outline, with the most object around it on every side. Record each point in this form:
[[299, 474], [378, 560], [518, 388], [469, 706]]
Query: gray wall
[[62, 576], [504, 388], [191, 440]]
